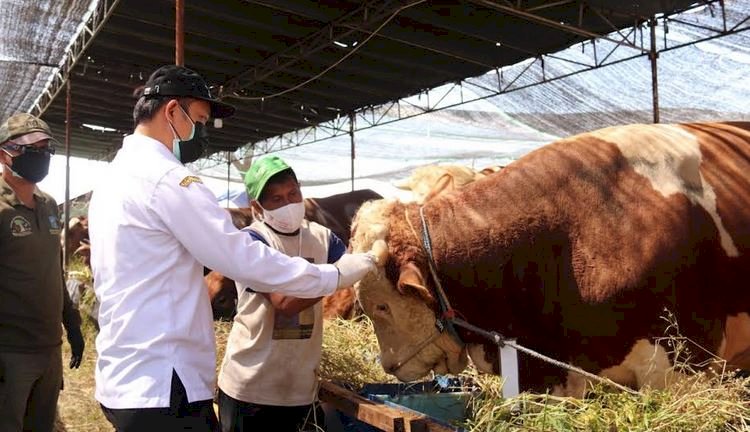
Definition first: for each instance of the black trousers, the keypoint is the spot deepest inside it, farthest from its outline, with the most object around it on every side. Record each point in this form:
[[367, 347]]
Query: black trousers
[[180, 416], [239, 416]]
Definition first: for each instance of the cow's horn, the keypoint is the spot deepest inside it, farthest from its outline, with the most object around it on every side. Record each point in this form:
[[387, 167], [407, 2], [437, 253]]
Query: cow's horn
[[380, 250], [404, 184]]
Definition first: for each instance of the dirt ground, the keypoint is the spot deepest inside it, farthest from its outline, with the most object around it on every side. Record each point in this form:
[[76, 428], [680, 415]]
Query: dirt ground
[[77, 408]]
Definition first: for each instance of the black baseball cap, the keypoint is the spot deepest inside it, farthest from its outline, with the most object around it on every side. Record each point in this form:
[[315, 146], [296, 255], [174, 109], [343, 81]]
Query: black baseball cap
[[179, 81]]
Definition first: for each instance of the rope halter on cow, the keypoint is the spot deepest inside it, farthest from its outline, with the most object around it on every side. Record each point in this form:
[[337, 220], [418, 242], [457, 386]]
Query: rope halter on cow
[[447, 319], [447, 315]]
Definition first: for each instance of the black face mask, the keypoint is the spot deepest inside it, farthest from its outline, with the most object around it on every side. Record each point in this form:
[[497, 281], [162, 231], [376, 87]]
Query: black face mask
[[191, 149], [32, 164]]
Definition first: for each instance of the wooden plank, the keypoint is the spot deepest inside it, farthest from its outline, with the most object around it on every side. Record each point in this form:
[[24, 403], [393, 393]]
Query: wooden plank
[[427, 424], [387, 418], [355, 406]]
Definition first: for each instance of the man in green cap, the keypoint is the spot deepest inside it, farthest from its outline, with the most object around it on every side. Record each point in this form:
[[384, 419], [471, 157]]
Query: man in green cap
[[268, 374], [33, 298]]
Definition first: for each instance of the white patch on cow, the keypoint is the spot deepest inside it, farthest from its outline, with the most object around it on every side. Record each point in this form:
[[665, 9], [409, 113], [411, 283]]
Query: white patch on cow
[[649, 364], [368, 224], [476, 354], [575, 386], [646, 365], [671, 161], [735, 346]]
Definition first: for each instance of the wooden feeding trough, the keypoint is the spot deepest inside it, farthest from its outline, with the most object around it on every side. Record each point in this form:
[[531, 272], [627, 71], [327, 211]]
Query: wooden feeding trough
[[380, 413]]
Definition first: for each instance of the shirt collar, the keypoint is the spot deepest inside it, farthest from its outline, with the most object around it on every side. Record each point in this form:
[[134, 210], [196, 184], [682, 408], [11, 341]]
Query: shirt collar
[[9, 195], [143, 143]]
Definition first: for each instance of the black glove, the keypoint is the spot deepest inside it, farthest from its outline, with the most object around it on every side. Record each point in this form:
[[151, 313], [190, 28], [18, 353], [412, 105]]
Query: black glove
[[75, 339]]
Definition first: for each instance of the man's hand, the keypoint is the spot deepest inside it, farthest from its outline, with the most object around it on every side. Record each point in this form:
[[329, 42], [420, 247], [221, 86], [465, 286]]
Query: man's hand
[[353, 267], [75, 339]]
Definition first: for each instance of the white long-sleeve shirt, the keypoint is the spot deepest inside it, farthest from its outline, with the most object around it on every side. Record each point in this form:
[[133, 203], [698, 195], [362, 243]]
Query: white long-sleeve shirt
[[153, 226]]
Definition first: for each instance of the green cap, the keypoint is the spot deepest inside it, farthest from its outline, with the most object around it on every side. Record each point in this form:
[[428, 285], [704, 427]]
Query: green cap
[[23, 129], [259, 173]]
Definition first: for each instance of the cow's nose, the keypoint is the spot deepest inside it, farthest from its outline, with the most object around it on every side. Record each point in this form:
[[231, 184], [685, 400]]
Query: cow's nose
[[390, 368]]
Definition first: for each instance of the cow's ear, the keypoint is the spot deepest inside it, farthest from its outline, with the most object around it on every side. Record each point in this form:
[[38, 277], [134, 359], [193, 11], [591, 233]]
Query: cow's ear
[[411, 280], [443, 185]]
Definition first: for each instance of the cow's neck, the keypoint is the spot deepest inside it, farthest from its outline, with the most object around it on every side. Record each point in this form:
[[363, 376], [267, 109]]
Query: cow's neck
[[493, 249]]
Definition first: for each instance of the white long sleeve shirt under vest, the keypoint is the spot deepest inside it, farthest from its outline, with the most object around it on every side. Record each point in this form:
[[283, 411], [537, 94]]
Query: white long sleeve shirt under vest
[[153, 226]]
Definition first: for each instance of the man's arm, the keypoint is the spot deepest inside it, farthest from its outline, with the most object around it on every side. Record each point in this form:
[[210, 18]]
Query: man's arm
[[71, 320], [194, 217], [288, 305]]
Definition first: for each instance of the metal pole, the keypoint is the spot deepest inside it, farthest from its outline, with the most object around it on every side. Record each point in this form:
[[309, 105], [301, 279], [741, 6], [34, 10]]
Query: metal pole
[[66, 206], [652, 56], [351, 136], [179, 33], [229, 167]]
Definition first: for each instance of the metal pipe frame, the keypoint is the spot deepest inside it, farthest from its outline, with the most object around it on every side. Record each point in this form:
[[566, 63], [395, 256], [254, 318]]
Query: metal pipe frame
[[179, 33], [369, 117], [569, 28], [370, 13], [75, 51], [66, 206]]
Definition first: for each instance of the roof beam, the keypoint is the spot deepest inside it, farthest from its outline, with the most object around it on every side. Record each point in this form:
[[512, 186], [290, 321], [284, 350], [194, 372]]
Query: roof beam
[[390, 34], [553, 24], [369, 13], [78, 46]]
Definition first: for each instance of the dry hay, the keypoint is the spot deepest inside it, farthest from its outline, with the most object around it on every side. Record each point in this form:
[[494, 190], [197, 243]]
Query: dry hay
[[77, 409], [221, 333], [705, 403], [77, 269], [698, 403], [351, 353], [702, 402]]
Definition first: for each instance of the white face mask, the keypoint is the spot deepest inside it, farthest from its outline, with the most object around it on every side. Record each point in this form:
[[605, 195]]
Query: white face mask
[[286, 219]]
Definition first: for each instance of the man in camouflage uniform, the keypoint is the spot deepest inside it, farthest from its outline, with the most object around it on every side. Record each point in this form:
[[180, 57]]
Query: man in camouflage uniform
[[33, 299]]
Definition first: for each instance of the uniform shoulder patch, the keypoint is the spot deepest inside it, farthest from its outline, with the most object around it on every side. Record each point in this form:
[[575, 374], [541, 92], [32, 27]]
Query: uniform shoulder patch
[[187, 181]]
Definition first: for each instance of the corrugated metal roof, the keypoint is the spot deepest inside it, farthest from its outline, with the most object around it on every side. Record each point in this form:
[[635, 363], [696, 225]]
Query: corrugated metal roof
[[253, 49]]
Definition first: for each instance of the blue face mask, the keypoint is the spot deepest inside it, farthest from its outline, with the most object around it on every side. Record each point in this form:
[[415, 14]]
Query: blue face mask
[[191, 149]]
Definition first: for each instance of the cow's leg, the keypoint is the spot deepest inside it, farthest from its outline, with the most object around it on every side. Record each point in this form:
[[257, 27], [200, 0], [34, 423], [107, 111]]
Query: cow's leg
[[480, 359], [736, 344], [646, 365]]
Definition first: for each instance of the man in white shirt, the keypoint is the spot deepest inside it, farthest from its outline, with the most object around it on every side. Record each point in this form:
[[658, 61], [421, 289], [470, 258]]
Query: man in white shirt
[[153, 226]]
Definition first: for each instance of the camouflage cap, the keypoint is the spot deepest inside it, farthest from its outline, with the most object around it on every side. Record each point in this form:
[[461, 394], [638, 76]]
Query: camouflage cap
[[23, 129], [259, 173]]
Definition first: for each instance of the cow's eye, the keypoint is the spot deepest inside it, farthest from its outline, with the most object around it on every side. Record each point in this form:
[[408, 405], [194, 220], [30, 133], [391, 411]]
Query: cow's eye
[[382, 308]]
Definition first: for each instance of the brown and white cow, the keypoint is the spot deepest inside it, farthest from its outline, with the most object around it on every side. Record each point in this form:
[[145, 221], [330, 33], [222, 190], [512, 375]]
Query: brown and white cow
[[78, 238], [576, 250]]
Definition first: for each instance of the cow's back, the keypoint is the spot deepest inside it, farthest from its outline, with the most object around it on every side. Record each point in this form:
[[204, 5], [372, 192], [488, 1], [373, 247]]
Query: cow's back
[[597, 234]]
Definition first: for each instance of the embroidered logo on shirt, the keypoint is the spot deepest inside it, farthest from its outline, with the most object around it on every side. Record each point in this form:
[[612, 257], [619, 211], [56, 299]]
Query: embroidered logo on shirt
[[20, 227], [189, 180]]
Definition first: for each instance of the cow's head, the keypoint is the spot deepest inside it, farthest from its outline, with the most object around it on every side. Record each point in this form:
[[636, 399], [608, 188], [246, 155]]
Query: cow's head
[[397, 297], [78, 232]]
